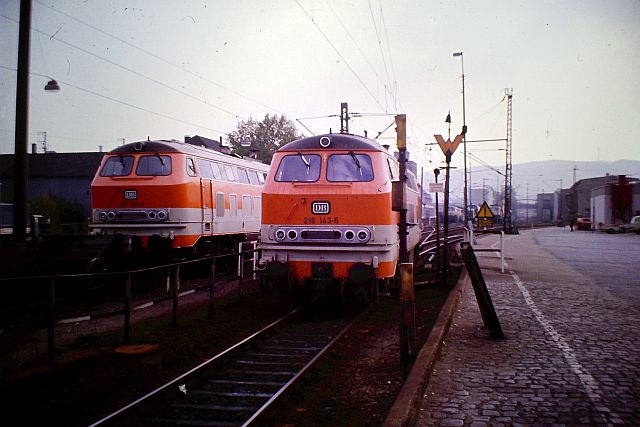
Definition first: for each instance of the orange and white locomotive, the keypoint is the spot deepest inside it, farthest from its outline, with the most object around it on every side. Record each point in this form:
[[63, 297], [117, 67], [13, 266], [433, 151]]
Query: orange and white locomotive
[[160, 194], [327, 215]]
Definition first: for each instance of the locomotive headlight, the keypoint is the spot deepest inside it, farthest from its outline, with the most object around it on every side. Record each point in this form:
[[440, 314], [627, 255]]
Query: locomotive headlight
[[162, 215], [152, 215], [363, 235], [280, 234], [111, 215], [349, 234], [292, 234], [102, 216]]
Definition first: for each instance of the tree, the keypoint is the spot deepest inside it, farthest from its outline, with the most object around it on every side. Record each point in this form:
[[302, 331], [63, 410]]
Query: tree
[[265, 136]]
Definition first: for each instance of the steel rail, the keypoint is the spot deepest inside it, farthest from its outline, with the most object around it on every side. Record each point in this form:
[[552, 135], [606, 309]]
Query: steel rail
[[298, 375], [193, 370]]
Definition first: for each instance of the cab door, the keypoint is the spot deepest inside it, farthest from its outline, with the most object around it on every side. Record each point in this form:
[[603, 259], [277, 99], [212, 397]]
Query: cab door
[[206, 196]]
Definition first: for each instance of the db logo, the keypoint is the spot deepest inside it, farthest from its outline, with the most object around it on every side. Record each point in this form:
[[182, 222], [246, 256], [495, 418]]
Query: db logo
[[130, 194], [320, 208]]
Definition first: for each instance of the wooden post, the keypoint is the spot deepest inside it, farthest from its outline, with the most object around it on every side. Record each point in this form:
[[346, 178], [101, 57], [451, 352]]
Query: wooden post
[[51, 345], [240, 269], [175, 289], [127, 308], [408, 317], [212, 281]]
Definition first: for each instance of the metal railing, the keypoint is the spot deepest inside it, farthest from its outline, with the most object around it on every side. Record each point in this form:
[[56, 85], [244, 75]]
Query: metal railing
[[41, 299]]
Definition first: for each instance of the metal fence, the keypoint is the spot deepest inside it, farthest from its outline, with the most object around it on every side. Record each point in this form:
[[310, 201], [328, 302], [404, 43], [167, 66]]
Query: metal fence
[[31, 304]]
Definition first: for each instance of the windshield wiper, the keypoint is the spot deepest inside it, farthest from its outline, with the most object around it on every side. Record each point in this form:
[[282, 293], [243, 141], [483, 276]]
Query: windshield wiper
[[161, 162], [306, 162], [356, 161]]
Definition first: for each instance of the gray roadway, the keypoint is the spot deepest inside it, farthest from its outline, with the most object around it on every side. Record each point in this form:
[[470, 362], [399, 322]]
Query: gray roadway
[[610, 260], [568, 304]]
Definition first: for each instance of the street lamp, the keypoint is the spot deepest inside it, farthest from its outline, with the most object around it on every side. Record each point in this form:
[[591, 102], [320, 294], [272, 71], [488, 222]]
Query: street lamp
[[464, 141]]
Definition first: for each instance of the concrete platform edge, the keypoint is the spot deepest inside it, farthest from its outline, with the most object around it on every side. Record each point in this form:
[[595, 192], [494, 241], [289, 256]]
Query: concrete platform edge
[[403, 412]]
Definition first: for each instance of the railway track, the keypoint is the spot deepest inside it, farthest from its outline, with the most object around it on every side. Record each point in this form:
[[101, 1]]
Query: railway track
[[238, 385]]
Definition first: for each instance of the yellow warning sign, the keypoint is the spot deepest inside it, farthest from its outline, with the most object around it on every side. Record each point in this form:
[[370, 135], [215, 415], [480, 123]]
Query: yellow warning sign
[[484, 212]]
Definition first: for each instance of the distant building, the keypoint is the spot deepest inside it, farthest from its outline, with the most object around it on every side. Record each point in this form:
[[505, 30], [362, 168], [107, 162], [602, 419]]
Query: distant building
[[64, 175], [544, 207], [616, 201]]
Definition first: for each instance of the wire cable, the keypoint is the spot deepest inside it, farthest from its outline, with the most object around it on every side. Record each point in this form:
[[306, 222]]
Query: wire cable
[[166, 61], [121, 102], [340, 55], [115, 64]]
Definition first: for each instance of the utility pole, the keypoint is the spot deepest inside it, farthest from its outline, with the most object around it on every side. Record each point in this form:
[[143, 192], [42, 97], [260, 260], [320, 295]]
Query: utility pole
[[344, 118], [20, 163], [464, 143], [575, 168], [508, 225]]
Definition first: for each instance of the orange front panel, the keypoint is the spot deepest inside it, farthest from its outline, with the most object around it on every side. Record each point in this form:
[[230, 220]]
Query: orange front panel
[[344, 209], [149, 195]]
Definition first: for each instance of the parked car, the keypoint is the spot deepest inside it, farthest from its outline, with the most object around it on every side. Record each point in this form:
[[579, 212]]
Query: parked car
[[633, 225], [583, 224]]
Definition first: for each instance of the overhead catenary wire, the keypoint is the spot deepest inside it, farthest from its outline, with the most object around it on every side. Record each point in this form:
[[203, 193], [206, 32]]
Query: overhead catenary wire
[[384, 62], [160, 58], [396, 97], [166, 116], [129, 70], [355, 43], [346, 63]]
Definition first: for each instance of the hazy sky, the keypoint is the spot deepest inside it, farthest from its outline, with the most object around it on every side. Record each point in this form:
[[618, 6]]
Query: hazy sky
[[165, 69]]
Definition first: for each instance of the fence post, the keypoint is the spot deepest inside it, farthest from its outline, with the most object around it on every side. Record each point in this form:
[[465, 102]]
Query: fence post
[[501, 251], [127, 307], [176, 287], [51, 349], [240, 268], [212, 281], [255, 259]]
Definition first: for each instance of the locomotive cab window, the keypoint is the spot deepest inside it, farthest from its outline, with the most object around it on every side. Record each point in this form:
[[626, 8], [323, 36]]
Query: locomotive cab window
[[349, 168], [117, 166], [156, 165], [299, 167]]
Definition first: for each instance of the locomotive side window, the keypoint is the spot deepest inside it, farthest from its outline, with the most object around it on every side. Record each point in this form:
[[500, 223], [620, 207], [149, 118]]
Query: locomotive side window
[[117, 166], [156, 165], [262, 177], [219, 205], [230, 175], [191, 167], [216, 170], [253, 177], [242, 176], [299, 167], [349, 168], [223, 172], [205, 169]]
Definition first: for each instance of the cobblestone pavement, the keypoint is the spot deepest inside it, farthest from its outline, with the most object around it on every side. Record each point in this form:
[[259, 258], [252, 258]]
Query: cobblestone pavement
[[570, 356]]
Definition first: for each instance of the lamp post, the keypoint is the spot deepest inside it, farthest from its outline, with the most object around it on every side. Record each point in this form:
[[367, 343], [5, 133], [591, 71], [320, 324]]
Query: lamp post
[[464, 140]]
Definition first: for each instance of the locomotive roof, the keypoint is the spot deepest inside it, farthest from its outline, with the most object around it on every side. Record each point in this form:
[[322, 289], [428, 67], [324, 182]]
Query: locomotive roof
[[155, 146], [173, 146], [333, 141]]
